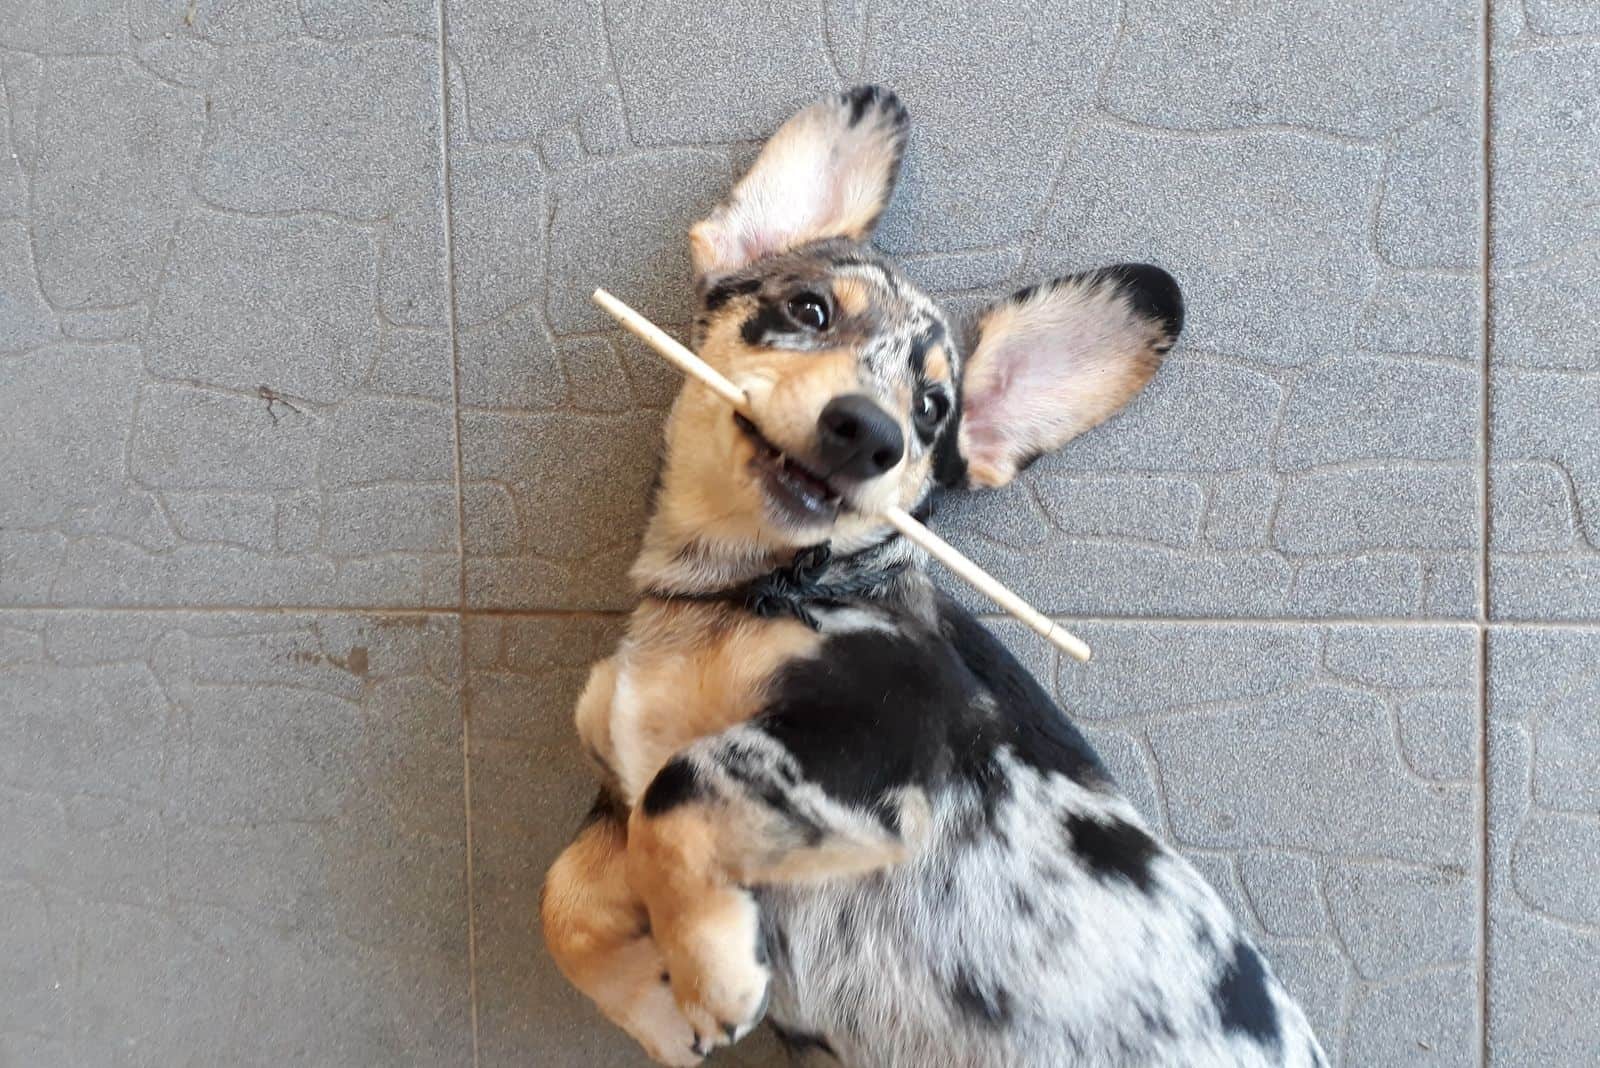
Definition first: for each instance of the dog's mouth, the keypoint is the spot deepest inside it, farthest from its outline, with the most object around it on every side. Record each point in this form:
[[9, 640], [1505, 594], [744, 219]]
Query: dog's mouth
[[795, 492]]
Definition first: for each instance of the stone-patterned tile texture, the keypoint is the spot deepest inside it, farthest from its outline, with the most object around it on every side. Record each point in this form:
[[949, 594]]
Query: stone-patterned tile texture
[[1544, 835], [320, 475]]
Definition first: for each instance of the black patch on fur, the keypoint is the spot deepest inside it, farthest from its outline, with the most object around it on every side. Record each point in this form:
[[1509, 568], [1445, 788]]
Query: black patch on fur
[[994, 790], [722, 292], [676, 784], [874, 711], [768, 318], [798, 1043], [1242, 999], [919, 356], [771, 784], [1156, 1023], [949, 466], [773, 941], [862, 97], [1037, 732], [1028, 461], [1022, 902], [870, 713], [1153, 293], [990, 1006], [887, 813], [969, 827], [1112, 849], [922, 343], [605, 809], [859, 98]]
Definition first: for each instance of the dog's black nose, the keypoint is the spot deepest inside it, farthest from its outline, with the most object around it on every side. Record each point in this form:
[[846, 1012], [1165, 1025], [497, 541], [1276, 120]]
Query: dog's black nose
[[858, 439]]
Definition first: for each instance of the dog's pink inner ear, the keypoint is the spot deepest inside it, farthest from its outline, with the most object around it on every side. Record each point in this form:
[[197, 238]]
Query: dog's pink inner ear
[[820, 176], [720, 245], [1049, 365]]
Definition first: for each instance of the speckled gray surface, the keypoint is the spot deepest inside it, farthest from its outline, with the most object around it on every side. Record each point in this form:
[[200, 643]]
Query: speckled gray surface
[[1544, 792], [1545, 321], [321, 476]]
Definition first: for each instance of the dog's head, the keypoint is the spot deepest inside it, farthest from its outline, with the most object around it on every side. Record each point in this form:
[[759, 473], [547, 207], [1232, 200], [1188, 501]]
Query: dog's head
[[859, 398]]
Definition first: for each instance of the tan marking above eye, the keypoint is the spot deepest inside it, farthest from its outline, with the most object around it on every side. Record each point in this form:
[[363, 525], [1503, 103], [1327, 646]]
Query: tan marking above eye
[[936, 366], [850, 295]]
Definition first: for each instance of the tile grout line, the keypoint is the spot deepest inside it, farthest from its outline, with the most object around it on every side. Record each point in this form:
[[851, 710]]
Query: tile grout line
[[1485, 238], [990, 616], [1483, 322], [1483, 848], [461, 528]]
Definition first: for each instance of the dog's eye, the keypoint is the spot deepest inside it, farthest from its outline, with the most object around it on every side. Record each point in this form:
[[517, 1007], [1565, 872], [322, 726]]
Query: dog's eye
[[932, 407], [809, 310]]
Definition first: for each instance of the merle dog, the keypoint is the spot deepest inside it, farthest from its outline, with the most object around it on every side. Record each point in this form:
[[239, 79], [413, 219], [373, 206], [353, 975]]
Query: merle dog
[[830, 796]]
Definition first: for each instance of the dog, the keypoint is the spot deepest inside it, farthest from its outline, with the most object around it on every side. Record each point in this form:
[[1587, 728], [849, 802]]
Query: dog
[[831, 798]]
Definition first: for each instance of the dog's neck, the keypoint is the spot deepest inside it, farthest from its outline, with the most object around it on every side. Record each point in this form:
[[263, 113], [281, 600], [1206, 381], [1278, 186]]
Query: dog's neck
[[685, 564]]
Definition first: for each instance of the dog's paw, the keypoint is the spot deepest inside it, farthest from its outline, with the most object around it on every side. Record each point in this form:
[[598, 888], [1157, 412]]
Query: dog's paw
[[717, 970], [629, 984], [657, 1024]]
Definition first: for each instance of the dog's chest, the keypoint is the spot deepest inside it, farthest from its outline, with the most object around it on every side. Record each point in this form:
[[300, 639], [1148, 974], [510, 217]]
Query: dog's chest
[[671, 690]]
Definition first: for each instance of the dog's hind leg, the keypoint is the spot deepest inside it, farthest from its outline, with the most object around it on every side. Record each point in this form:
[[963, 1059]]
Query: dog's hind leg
[[731, 812], [598, 931]]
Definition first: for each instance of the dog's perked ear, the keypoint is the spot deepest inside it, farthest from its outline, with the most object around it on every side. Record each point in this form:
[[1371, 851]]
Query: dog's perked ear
[[827, 172], [1056, 359]]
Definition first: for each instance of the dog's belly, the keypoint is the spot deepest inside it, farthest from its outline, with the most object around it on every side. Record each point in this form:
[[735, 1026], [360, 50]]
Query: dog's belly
[[1003, 949]]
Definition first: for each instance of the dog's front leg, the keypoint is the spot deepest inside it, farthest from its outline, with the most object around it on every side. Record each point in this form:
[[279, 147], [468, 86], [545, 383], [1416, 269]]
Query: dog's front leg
[[595, 926], [731, 812], [598, 933]]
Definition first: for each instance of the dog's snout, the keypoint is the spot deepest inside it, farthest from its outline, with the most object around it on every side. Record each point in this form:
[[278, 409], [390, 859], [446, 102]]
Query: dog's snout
[[857, 438]]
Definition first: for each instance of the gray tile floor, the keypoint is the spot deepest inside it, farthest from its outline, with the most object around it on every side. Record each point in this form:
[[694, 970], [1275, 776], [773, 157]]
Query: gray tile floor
[[319, 475]]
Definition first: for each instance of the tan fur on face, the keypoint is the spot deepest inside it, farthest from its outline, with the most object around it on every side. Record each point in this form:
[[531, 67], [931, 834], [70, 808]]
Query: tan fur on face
[[788, 391], [851, 296], [708, 490]]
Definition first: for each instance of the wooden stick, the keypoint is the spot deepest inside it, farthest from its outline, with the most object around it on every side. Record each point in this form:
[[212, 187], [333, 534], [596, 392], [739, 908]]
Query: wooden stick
[[986, 584], [899, 518], [676, 354]]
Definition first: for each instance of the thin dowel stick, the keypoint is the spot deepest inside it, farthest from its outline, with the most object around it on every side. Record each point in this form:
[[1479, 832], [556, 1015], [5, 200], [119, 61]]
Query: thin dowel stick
[[899, 518], [676, 354], [985, 583]]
